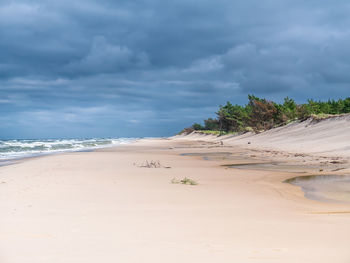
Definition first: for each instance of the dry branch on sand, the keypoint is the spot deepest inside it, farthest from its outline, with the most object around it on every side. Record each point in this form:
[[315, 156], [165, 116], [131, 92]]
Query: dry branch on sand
[[151, 164]]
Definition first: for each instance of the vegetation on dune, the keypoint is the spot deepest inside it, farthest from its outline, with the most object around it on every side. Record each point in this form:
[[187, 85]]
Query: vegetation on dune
[[262, 114]]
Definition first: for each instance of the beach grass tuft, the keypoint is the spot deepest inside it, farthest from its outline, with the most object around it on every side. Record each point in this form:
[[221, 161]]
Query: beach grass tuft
[[185, 180]]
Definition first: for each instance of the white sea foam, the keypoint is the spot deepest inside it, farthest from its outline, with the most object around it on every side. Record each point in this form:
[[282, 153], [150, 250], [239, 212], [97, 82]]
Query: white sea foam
[[13, 149]]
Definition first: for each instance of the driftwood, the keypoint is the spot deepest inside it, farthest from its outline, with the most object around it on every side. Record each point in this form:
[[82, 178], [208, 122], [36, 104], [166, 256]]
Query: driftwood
[[151, 164]]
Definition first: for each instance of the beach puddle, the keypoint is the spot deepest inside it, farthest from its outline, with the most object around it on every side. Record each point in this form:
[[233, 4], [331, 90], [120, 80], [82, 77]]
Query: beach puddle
[[269, 166], [326, 188], [250, 165], [210, 155]]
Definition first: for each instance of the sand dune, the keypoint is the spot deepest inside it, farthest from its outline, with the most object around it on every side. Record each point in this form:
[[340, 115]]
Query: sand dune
[[329, 137]]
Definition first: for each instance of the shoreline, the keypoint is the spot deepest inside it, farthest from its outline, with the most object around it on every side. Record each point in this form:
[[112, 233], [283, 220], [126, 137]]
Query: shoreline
[[56, 208], [16, 150], [18, 159]]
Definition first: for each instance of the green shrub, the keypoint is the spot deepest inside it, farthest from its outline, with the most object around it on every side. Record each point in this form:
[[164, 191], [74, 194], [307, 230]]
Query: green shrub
[[261, 114]]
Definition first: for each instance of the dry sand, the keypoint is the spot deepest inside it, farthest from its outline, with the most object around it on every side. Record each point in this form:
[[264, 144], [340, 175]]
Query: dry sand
[[102, 207]]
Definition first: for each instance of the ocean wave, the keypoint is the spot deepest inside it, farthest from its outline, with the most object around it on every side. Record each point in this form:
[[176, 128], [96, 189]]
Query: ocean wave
[[12, 149]]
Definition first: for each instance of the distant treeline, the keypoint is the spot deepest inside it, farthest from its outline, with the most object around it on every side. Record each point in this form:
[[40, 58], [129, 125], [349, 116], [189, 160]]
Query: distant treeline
[[261, 114]]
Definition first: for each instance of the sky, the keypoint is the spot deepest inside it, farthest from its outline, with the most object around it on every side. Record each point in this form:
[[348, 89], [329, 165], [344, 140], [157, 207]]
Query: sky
[[99, 68]]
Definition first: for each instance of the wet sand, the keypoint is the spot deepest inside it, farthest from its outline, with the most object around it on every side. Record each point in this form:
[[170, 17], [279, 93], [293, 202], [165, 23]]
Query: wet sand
[[104, 207]]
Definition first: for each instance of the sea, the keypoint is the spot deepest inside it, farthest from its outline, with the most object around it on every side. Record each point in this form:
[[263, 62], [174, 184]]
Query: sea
[[17, 149]]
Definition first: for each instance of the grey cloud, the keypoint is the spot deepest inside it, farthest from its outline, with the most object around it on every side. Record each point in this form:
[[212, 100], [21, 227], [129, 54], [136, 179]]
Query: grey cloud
[[104, 57], [174, 60]]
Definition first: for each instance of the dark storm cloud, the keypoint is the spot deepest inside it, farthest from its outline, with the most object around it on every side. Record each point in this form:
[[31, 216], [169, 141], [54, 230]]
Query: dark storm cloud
[[107, 68]]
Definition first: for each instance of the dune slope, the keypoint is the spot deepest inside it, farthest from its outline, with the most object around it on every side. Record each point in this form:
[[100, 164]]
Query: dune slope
[[329, 137]]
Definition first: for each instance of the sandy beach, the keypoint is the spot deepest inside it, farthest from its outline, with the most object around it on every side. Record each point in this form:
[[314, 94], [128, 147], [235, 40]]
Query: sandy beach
[[103, 206], [174, 131]]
